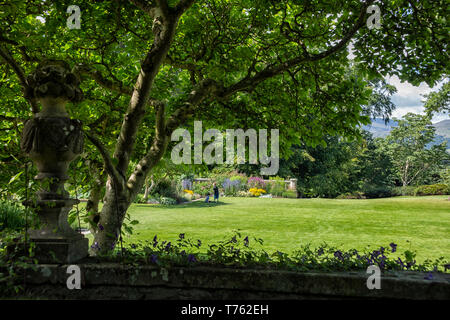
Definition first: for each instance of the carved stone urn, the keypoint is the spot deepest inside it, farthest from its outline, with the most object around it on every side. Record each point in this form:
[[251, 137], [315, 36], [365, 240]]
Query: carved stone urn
[[52, 140]]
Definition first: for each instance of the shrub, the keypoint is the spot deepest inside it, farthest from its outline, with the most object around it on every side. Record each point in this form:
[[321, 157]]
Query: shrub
[[348, 195], [377, 192], [165, 188], [203, 188], [167, 201], [231, 187], [403, 191], [276, 186], [256, 182], [289, 194], [430, 190], [139, 198]]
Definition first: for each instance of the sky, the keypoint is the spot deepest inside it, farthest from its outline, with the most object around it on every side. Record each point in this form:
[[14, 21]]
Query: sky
[[410, 98]]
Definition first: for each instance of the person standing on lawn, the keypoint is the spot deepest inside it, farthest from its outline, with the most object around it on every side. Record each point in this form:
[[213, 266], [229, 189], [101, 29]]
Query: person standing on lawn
[[216, 192]]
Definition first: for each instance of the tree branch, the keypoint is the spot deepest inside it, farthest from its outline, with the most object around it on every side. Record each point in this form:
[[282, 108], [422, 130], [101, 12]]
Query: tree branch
[[183, 6], [20, 74], [96, 75], [164, 32], [109, 166], [271, 71], [157, 150], [146, 6]]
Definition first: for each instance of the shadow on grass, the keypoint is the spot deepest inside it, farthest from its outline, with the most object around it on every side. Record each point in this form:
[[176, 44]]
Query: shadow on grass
[[195, 204]]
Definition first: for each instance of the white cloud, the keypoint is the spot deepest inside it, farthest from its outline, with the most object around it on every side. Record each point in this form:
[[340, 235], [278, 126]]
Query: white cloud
[[410, 98]]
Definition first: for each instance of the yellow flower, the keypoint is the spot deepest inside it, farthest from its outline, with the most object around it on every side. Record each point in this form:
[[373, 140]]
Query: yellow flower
[[189, 191], [261, 191]]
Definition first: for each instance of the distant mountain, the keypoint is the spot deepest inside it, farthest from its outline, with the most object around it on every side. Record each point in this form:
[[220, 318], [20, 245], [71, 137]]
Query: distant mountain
[[379, 129]]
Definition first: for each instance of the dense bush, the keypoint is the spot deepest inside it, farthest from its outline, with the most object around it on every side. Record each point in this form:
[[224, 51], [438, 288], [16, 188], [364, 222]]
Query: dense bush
[[430, 190], [231, 187], [354, 195], [256, 182], [203, 188], [377, 192], [289, 194], [276, 186], [167, 201]]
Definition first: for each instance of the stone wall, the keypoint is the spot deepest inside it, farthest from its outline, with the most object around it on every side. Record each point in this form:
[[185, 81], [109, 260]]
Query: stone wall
[[116, 281]]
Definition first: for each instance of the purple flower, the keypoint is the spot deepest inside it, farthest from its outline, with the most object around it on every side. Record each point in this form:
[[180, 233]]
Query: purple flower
[[154, 258], [133, 246], [338, 254], [167, 248], [400, 262], [95, 246], [233, 240], [375, 254], [320, 251], [246, 241], [192, 258], [393, 246], [199, 243], [100, 227], [429, 276], [181, 235]]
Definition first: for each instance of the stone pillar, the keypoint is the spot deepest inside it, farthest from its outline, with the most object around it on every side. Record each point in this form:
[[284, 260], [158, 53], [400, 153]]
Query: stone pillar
[[292, 184], [52, 140]]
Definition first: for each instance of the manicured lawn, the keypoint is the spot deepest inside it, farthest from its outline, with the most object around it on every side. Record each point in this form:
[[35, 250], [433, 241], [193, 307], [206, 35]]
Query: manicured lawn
[[417, 223], [421, 223]]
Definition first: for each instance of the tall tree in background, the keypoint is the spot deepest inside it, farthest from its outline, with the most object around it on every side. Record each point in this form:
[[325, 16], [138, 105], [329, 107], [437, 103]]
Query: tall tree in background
[[150, 66], [408, 147]]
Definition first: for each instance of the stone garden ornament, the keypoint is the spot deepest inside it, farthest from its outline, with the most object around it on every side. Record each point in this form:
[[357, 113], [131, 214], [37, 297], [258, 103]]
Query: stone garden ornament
[[52, 140]]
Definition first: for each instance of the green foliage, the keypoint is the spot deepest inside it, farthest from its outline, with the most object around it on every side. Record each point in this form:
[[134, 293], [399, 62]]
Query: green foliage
[[165, 188], [289, 194], [276, 186], [408, 147], [203, 188], [403, 191], [167, 201], [439, 101], [12, 216], [354, 195], [377, 192], [15, 258], [431, 190]]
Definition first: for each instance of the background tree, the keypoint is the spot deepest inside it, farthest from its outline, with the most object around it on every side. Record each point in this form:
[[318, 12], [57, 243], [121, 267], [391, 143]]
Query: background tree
[[408, 147], [438, 101], [259, 64]]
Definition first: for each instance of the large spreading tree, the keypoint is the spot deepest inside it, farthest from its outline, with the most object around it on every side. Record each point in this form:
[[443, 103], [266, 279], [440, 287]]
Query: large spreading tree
[[149, 67]]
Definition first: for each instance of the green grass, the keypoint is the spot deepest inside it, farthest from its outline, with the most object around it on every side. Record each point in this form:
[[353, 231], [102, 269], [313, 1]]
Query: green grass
[[414, 223]]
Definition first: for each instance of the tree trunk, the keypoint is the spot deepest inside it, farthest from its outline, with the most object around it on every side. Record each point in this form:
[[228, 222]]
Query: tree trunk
[[115, 206], [148, 188]]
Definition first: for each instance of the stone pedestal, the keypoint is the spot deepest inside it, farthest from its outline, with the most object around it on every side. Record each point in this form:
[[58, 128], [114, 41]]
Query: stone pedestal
[[56, 241]]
